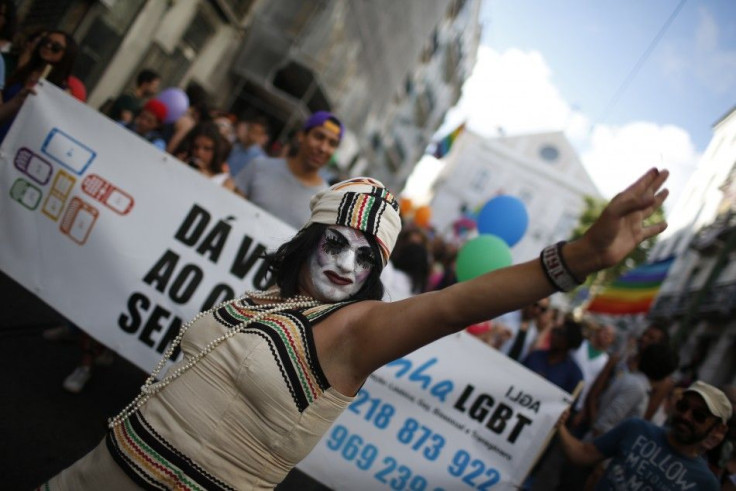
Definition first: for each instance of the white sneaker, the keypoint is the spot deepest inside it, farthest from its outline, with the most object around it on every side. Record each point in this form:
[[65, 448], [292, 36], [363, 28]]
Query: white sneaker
[[76, 381], [60, 333], [105, 359]]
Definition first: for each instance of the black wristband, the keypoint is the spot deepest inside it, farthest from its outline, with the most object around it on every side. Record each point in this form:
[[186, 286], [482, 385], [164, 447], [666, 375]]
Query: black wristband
[[556, 270]]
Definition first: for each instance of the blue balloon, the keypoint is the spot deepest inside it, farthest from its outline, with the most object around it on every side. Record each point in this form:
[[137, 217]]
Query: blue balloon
[[504, 216]]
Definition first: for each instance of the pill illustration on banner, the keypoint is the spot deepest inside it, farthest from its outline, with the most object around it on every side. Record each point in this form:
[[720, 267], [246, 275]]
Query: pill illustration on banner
[[33, 165], [58, 195], [68, 151], [78, 221], [26, 193], [108, 194]]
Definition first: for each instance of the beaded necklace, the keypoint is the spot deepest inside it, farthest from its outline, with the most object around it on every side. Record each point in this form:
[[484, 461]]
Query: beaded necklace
[[151, 387]]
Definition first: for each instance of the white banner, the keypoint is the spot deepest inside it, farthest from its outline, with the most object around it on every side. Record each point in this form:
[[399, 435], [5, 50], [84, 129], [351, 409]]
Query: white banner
[[453, 415], [124, 240], [127, 242]]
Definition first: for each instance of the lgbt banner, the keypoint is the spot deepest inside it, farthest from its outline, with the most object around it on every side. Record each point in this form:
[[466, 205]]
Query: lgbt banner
[[129, 243]]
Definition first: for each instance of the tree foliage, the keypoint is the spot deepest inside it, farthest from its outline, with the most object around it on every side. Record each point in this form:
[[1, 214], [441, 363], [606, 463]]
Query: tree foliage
[[593, 208]]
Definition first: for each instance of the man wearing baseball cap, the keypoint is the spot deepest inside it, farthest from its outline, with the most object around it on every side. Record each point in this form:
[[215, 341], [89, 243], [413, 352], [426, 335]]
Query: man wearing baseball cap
[[646, 456], [283, 187]]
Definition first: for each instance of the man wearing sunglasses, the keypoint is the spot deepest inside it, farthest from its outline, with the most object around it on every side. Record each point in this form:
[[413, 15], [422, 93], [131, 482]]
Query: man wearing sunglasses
[[646, 456]]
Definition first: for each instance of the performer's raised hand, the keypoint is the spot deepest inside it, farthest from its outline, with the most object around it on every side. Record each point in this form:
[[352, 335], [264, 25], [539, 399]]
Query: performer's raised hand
[[620, 228]]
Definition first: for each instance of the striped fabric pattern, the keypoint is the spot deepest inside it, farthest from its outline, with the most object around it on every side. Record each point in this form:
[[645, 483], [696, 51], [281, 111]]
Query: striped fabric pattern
[[293, 350], [363, 211], [153, 463], [361, 203]]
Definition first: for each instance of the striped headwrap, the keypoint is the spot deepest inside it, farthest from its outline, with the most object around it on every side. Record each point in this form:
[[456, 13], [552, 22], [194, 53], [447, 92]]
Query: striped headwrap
[[361, 203]]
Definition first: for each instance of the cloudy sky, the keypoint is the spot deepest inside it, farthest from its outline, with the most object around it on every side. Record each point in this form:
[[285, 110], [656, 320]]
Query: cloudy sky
[[594, 70]]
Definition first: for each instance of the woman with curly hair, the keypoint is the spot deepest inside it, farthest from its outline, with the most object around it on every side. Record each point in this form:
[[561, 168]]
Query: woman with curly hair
[[204, 149]]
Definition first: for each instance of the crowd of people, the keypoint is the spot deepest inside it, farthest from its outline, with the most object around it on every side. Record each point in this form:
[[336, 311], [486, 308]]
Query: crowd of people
[[626, 386], [623, 382]]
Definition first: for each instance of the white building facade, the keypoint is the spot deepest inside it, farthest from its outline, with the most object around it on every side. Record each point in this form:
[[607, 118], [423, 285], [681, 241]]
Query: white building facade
[[542, 170], [697, 301]]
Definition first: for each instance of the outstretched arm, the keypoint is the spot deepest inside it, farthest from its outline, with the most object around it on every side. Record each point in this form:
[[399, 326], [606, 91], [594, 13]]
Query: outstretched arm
[[10, 108], [596, 390], [579, 452], [380, 332]]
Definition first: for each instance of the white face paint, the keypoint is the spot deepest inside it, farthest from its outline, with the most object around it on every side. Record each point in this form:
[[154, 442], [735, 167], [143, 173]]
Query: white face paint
[[341, 264]]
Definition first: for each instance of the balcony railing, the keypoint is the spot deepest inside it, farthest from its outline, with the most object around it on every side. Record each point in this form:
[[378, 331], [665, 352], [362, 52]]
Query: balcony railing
[[718, 301]]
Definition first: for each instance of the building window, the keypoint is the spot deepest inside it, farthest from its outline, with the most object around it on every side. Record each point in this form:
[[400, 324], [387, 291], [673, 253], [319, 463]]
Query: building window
[[526, 196], [424, 104], [565, 226], [409, 85], [102, 39], [549, 153], [395, 156], [290, 17], [376, 141], [431, 47], [455, 8], [240, 7], [198, 32], [299, 82], [173, 66], [481, 179], [453, 56]]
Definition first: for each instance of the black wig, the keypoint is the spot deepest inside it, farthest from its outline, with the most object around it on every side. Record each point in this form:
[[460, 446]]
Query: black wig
[[286, 263]]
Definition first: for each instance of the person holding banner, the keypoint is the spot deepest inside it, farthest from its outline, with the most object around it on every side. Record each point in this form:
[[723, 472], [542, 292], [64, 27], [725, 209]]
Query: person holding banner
[[205, 150], [284, 186], [52, 58], [263, 377]]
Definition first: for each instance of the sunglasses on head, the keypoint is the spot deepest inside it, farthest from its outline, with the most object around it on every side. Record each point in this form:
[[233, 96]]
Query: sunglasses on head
[[53, 46], [699, 415]]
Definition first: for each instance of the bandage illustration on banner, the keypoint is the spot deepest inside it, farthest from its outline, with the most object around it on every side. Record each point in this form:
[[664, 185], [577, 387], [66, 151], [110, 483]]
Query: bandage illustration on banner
[[68, 151], [108, 194], [26, 193], [78, 221], [33, 165], [58, 194]]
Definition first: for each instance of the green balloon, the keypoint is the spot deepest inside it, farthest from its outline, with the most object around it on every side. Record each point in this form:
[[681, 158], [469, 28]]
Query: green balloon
[[482, 255]]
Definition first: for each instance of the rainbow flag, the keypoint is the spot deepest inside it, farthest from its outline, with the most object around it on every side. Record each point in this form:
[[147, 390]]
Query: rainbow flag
[[443, 146], [634, 291]]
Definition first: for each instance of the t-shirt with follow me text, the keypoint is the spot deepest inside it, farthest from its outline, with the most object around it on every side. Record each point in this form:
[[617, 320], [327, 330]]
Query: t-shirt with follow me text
[[643, 460]]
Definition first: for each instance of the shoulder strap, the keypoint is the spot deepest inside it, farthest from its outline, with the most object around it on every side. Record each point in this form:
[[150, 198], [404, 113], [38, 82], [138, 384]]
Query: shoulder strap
[[316, 314]]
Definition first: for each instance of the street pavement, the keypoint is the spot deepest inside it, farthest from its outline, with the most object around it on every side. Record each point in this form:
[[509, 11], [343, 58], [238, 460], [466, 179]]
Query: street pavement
[[43, 428]]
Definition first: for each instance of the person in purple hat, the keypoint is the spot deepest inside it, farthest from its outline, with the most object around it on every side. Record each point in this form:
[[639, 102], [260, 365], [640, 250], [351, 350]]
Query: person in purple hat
[[284, 186]]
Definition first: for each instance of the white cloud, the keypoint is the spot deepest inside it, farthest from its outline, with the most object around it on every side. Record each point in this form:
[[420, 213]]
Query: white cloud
[[614, 156], [514, 90], [418, 185]]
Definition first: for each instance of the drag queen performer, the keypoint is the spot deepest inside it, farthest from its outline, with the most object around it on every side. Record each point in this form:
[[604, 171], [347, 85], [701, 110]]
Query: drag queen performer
[[263, 377]]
